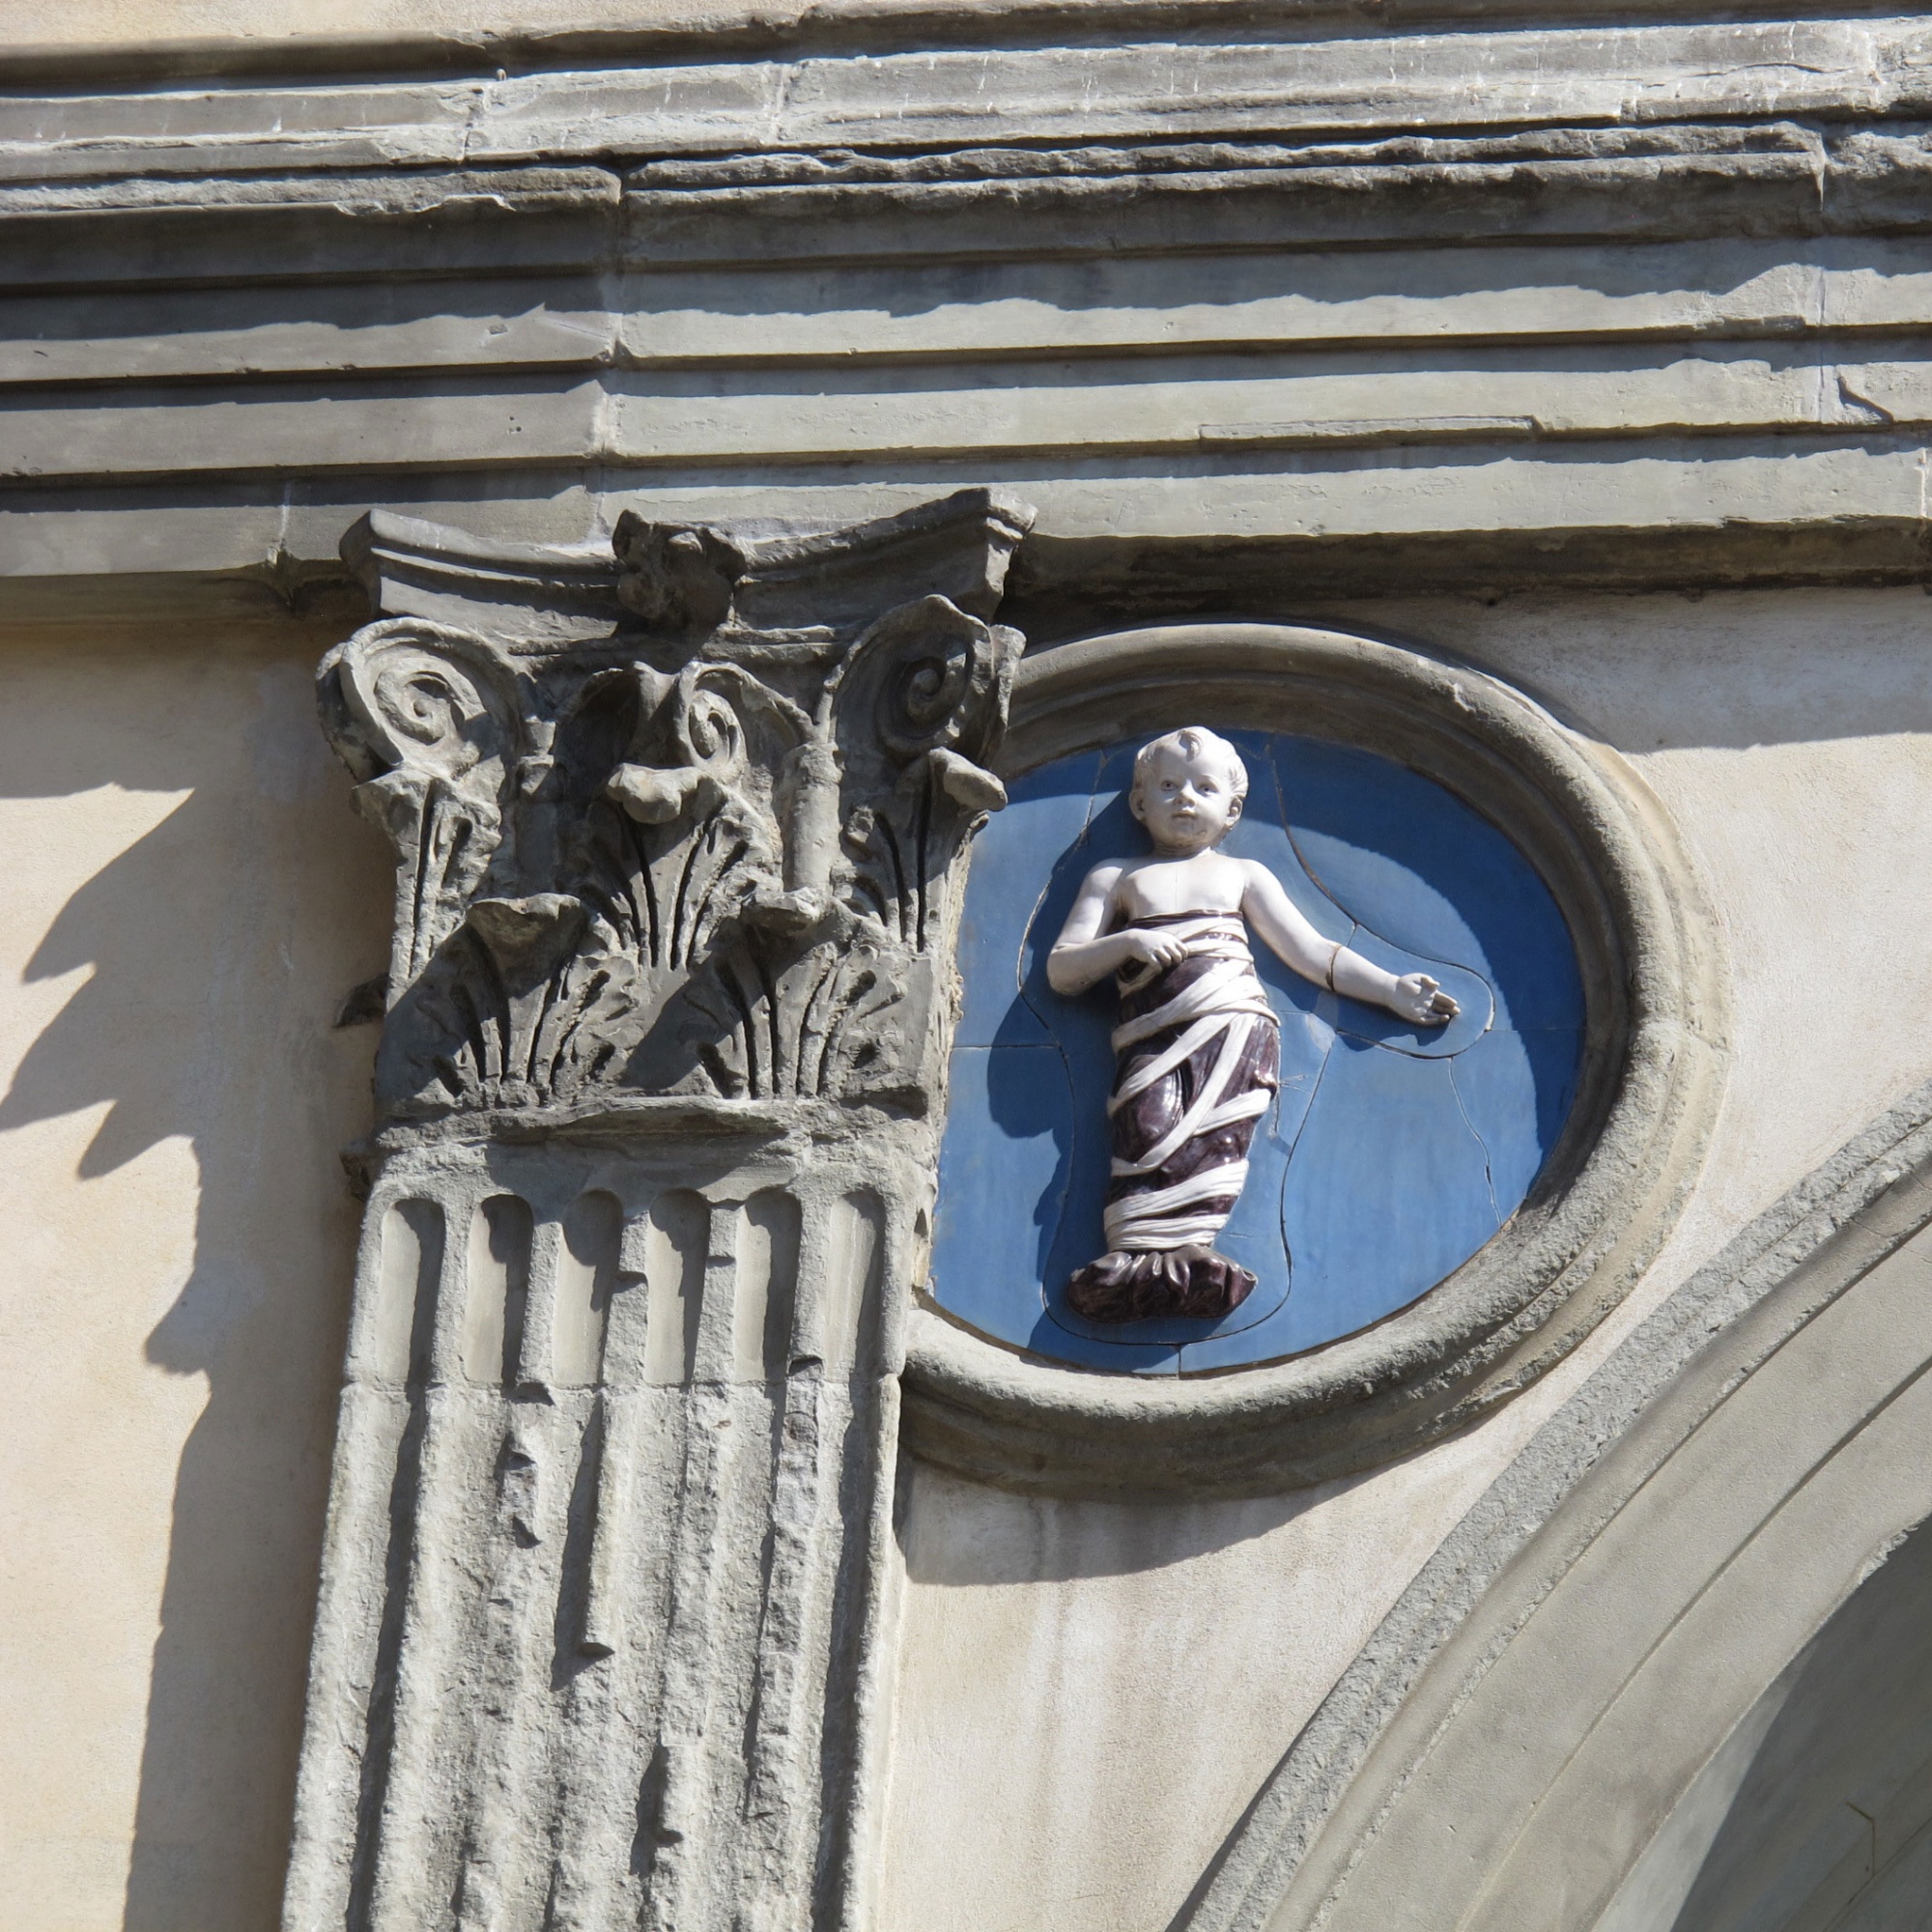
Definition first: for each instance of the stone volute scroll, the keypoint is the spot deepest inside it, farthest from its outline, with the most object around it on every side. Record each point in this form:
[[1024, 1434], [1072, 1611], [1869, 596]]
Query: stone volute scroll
[[680, 827]]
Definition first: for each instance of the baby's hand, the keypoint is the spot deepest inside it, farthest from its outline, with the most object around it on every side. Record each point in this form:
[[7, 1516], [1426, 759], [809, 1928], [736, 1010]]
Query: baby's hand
[[1420, 999], [1152, 949]]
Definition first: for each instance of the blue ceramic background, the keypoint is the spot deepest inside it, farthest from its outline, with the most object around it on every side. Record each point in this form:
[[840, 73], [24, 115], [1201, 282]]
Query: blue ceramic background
[[1392, 1153]]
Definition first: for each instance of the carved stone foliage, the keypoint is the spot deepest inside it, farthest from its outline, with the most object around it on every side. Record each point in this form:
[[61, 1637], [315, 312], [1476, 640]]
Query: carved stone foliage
[[711, 847]]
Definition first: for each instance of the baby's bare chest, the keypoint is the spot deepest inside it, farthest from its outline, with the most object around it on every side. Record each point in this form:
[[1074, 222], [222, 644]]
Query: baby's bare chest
[[1162, 888]]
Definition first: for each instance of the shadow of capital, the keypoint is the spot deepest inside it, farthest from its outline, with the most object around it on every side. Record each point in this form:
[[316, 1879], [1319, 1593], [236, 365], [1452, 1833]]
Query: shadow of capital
[[215, 948]]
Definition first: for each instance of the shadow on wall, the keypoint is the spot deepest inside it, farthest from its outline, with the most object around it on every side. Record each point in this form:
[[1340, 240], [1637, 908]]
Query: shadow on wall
[[1117, 1672], [219, 946]]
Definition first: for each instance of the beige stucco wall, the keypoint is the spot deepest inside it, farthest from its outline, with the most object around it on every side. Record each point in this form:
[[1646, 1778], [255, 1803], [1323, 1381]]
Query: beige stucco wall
[[83, 24], [187, 898], [1090, 1694]]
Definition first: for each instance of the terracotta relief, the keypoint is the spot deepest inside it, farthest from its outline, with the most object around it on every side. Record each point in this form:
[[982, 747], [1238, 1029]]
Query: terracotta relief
[[1198, 1049], [1346, 1035]]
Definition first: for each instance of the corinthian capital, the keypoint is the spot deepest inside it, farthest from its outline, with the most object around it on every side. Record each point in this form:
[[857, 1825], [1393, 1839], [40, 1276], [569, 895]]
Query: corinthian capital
[[686, 818]]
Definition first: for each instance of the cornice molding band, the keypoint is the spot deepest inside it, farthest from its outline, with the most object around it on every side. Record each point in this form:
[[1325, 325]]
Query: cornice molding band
[[555, 263], [1498, 77], [1684, 183], [699, 31]]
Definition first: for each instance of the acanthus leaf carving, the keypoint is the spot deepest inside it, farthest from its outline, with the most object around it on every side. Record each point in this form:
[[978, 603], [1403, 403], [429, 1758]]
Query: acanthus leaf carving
[[696, 860], [922, 704]]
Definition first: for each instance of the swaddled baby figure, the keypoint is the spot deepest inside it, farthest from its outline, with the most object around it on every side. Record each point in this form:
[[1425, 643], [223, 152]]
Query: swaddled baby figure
[[1197, 1054]]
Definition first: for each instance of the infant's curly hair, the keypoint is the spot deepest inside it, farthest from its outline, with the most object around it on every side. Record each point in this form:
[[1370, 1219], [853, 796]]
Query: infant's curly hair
[[1191, 741]]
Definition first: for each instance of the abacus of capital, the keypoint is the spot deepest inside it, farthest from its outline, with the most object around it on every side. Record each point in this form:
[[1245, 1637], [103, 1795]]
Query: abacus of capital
[[680, 833]]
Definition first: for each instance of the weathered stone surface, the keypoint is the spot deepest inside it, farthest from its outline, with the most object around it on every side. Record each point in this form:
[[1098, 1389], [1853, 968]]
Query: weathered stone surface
[[1197, 405], [1118, 84], [254, 331], [1649, 411], [177, 227], [1653, 183], [713, 858], [678, 831], [228, 37], [1660, 323], [1289, 304], [602, 1595]]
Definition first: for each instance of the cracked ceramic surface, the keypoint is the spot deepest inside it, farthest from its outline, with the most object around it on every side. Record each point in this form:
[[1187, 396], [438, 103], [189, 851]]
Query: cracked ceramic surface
[[1598, 1194], [1392, 1151]]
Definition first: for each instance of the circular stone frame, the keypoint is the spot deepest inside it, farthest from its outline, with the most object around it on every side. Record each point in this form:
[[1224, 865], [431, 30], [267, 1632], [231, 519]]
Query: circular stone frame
[[1648, 1090]]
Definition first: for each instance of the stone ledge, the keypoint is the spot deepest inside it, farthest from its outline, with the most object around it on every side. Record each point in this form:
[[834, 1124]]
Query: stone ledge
[[203, 215], [1308, 87], [1062, 586], [266, 42]]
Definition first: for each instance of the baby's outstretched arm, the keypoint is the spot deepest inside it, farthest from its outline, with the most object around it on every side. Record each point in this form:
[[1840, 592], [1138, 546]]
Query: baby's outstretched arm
[[1085, 954], [1281, 924]]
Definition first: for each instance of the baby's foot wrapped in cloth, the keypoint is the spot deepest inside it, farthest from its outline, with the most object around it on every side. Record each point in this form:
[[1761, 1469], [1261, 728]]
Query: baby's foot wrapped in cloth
[[1193, 1281]]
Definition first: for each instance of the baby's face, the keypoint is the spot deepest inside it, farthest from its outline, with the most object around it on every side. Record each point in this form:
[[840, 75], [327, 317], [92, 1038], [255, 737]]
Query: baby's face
[[1187, 803]]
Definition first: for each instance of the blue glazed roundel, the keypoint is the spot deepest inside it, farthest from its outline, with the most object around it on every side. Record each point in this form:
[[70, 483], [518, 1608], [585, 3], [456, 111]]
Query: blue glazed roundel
[[1392, 1153]]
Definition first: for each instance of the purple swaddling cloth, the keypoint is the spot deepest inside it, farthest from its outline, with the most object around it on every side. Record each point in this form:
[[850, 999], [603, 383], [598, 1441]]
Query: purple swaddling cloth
[[1197, 1057]]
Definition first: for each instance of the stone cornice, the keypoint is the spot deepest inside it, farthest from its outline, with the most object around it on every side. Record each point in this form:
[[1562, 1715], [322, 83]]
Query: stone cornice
[[238, 312], [691, 29], [1679, 183], [1308, 86]]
